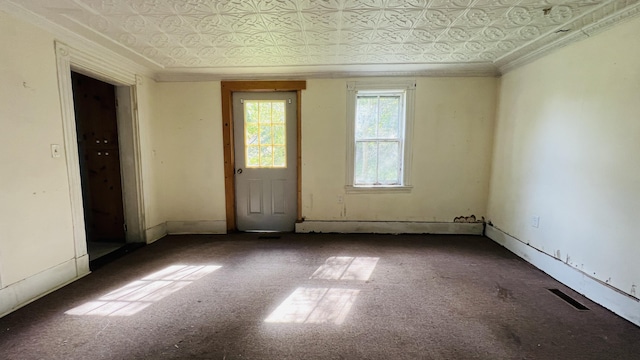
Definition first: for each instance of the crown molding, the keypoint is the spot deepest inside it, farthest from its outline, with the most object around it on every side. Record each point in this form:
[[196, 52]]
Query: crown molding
[[94, 66], [329, 72], [75, 41], [589, 24]]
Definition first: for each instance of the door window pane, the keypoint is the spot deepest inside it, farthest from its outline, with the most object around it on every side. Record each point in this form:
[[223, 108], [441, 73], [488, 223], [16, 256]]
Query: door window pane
[[265, 134]]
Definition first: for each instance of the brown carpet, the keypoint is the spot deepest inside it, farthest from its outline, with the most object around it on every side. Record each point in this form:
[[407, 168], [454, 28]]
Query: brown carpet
[[318, 296]]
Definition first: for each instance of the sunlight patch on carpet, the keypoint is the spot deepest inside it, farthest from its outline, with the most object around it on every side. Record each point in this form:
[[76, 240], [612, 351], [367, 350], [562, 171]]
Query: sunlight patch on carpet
[[346, 268], [315, 306], [140, 294]]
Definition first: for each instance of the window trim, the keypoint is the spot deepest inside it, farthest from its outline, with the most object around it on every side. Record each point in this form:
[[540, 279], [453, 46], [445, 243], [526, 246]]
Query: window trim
[[353, 87]]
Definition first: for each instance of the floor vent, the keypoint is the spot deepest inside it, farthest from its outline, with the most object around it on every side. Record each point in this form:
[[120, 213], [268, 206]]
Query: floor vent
[[269, 237], [568, 299]]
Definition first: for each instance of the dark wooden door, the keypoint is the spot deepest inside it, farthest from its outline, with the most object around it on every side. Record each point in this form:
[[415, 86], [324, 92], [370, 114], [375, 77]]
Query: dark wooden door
[[97, 129]]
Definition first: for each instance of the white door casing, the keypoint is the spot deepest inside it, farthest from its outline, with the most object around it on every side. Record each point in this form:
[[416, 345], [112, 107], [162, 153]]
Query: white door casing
[[68, 59]]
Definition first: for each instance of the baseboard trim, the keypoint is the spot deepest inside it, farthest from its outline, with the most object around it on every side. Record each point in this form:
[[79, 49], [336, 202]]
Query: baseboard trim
[[34, 287], [155, 233], [611, 298], [82, 265], [197, 227], [389, 227]]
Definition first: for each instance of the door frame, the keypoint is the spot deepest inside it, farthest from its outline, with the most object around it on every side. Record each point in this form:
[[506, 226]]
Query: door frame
[[69, 59], [227, 90]]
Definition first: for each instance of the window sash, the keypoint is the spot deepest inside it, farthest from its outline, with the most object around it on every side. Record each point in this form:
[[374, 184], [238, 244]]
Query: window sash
[[381, 174], [381, 88], [390, 173]]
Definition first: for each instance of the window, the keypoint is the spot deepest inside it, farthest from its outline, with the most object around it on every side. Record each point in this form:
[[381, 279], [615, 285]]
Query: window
[[265, 134], [380, 120]]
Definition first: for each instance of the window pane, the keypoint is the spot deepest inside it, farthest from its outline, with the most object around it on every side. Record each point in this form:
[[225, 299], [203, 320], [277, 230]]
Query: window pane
[[265, 134], [366, 117], [251, 111], [265, 112], [279, 134], [366, 162], [265, 126], [251, 137], [279, 156], [389, 162], [253, 156], [266, 156], [389, 124]]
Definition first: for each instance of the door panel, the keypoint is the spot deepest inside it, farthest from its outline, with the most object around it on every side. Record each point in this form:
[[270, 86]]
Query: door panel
[[98, 150], [265, 158], [278, 196], [255, 196]]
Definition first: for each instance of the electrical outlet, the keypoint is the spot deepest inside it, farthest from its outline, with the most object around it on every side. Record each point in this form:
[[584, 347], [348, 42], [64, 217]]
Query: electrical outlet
[[535, 221], [340, 199]]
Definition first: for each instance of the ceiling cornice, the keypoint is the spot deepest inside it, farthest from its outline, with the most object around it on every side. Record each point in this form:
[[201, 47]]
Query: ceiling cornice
[[327, 72], [74, 40], [589, 24]]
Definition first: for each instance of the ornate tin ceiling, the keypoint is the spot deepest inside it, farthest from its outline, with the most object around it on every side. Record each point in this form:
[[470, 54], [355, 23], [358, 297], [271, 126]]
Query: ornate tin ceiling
[[265, 36]]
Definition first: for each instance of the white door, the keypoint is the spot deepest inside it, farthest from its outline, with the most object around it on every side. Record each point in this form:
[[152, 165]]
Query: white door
[[265, 160]]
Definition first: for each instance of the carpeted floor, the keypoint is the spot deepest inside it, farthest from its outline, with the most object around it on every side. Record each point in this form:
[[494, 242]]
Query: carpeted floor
[[317, 296]]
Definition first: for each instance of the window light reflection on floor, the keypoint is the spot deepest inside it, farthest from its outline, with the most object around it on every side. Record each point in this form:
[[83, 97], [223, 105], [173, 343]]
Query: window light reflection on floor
[[138, 295], [315, 306], [346, 268]]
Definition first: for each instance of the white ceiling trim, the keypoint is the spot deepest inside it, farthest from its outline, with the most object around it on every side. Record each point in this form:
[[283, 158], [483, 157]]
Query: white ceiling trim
[[590, 24], [75, 41], [335, 71]]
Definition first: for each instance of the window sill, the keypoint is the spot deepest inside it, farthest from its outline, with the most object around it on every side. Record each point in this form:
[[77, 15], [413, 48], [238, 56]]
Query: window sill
[[377, 189]]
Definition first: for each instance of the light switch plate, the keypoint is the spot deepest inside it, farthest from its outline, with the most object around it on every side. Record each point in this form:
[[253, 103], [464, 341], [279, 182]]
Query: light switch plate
[[55, 151]]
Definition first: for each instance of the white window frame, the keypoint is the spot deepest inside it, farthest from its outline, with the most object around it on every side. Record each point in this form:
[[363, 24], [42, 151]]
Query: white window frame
[[353, 87]]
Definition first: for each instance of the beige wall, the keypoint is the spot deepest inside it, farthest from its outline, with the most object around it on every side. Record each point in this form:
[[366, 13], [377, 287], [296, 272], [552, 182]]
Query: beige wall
[[35, 211], [567, 148], [187, 147], [452, 142], [452, 150], [150, 140]]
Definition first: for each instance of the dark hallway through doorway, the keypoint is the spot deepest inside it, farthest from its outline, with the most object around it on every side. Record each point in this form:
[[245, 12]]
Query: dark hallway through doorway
[[97, 133]]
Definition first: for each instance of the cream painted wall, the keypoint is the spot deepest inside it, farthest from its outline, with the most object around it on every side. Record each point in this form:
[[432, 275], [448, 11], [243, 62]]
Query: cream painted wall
[[150, 140], [35, 211], [567, 149], [187, 143], [452, 144]]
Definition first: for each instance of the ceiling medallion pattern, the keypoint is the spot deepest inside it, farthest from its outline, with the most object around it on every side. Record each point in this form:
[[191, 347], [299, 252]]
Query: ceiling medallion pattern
[[277, 33]]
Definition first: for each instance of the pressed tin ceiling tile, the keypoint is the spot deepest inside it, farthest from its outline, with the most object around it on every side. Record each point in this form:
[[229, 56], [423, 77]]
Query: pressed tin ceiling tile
[[208, 34]]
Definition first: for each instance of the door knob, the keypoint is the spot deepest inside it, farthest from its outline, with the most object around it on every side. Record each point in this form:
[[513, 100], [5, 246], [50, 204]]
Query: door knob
[[239, 171]]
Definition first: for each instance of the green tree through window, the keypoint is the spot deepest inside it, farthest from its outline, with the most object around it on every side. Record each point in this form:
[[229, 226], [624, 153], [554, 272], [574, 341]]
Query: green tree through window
[[378, 139], [265, 134]]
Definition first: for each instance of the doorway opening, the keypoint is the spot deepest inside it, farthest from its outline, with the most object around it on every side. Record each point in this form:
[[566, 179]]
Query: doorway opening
[[126, 85], [96, 120]]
